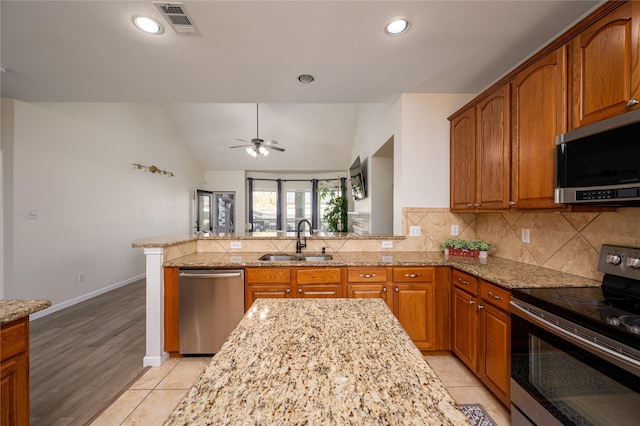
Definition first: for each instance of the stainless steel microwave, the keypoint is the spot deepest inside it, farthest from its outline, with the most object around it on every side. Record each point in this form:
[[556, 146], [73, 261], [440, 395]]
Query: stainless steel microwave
[[600, 163]]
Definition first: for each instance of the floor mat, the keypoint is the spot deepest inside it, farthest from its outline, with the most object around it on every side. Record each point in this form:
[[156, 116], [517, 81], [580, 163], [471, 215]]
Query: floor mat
[[476, 415]]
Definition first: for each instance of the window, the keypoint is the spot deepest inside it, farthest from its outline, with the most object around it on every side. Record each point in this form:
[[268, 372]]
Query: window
[[278, 204]]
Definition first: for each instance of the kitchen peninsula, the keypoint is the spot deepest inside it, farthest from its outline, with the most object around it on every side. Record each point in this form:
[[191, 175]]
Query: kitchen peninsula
[[279, 367], [348, 250]]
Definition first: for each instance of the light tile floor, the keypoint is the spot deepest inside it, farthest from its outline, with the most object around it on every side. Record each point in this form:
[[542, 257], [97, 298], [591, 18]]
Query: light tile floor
[[151, 399]]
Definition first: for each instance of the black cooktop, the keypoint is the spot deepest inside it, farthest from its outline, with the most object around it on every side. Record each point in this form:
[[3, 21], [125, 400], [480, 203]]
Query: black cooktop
[[612, 313]]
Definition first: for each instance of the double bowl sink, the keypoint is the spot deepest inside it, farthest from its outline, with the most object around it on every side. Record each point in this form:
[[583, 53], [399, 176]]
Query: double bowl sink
[[304, 257]]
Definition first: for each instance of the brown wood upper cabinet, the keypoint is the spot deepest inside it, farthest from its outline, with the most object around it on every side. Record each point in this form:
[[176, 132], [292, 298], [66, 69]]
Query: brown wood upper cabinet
[[538, 102], [480, 151], [606, 80]]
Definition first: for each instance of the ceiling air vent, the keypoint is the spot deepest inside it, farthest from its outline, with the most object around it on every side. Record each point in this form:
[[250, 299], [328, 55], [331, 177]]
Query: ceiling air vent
[[177, 17]]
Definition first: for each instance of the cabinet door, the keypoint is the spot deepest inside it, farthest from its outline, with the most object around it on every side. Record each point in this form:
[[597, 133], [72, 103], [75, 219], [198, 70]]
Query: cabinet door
[[465, 332], [265, 291], [539, 100], [413, 305], [602, 68], [463, 160], [14, 391], [494, 363], [370, 291], [493, 150]]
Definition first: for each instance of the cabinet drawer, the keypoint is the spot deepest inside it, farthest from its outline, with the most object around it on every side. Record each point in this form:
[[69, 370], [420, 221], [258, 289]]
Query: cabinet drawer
[[467, 282], [318, 276], [412, 275], [13, 338], [267, 275], [497, 296], [367, 275]]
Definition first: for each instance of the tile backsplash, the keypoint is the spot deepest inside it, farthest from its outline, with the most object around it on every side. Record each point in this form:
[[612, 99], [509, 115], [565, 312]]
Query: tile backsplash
[[567, 242]]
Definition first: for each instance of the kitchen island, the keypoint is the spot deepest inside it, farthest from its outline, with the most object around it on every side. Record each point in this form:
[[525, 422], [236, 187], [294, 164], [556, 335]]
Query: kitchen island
[[318, 361]]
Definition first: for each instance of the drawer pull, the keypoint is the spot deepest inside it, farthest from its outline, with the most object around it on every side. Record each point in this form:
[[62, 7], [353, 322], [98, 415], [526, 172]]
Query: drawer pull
[[367, 275], [412, 275], [480, 307], [299, 291], [288, 291], [397, 290], [384, 289], [465, 282], [471, 302], [495, 296]]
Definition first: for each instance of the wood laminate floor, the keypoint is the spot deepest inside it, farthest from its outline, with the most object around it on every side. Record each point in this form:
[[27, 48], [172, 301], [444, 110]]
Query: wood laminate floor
[[84, 356]]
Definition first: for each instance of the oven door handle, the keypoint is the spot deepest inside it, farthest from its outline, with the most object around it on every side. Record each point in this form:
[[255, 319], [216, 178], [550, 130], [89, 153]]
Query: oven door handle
[[629, 363]]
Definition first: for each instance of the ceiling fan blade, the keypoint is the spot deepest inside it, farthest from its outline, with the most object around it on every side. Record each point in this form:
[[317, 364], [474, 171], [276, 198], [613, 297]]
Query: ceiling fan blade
[[240, 146], [274, 148], [271, 142], [243, 140]]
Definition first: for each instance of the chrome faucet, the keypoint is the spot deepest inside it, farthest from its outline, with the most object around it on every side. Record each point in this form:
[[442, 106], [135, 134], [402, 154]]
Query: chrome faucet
[[300, 245]]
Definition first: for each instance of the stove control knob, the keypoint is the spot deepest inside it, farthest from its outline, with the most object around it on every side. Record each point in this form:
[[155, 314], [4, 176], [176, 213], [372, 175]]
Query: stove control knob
[[633, 262], [613, 259]]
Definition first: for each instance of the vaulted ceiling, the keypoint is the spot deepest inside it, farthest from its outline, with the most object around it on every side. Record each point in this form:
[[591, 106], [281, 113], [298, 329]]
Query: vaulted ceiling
[[253, 51]]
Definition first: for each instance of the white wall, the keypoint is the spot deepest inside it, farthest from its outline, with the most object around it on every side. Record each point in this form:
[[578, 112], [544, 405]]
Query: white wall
[[424, 156], [72, 163]]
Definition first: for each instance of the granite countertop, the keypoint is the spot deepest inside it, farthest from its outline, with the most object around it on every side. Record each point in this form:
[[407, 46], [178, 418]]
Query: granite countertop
[[14, 309], [506, 273], [169, 240], [280, 367]]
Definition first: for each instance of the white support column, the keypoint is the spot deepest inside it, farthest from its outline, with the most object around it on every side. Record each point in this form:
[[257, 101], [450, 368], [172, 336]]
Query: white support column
[[155, 354]]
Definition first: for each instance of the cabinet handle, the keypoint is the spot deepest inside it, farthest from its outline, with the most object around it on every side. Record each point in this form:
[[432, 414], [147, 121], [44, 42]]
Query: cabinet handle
[[471, 302], [469, 205], [480, 307], [632, 102], [495, 296], [299, 291], [412, 275], [288, 291], [367, 275], [397, 290], [512, 203], [384, 289], [465, 282], [476, 205]]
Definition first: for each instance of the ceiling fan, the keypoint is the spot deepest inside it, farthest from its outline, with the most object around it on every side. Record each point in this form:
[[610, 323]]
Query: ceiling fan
[[257, 146]]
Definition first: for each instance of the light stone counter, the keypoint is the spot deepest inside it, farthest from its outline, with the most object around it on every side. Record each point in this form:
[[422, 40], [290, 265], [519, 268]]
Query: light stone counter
[[318, 362], [13, 309], [504, 272]]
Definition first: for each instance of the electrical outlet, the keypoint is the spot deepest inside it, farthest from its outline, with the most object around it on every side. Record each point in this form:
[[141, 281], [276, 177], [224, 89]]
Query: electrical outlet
[[236, 244], [526, 236], [387, 244], [454, 230], [414, 231], [80, 278]]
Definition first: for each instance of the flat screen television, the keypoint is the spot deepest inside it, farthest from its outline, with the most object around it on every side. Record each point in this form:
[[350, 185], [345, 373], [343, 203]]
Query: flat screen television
[[357, 180]]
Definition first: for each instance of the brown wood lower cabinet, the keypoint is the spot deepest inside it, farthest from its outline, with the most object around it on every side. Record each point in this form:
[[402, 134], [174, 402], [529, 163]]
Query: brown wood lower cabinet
[[292, 282], [14, 372], [481, 331], [412, 294]]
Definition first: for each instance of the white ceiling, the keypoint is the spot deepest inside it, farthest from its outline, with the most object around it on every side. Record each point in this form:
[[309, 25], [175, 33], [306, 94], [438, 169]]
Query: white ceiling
[[253, 51]]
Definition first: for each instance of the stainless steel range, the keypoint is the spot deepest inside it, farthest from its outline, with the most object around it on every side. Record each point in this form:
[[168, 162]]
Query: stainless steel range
[[576, 351]]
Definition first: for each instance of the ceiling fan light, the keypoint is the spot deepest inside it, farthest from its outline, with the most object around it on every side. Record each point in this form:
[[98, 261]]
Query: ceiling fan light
[[264, 151], [251, 151]]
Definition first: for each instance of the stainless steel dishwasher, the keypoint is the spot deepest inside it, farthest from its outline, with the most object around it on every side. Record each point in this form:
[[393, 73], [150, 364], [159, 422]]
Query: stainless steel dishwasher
[[211, 304]]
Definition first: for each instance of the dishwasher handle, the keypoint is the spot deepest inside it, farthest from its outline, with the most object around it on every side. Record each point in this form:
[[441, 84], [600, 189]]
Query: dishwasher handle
[[211, 275]]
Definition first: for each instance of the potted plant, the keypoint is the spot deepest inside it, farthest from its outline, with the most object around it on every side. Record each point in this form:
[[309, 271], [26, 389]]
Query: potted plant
[[465, 248], [335, 212]]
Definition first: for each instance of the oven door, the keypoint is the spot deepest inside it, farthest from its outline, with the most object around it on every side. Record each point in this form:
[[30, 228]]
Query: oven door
[[557, 378]]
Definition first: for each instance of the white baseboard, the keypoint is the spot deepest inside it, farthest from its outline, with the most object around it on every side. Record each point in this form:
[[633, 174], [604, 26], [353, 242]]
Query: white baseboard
[[59, 306], [155, 361]]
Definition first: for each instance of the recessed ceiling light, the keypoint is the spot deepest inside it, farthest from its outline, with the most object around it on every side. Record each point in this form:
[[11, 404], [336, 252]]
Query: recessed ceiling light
[[397, 26], [305, 78], [147, 25]]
